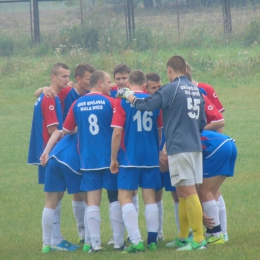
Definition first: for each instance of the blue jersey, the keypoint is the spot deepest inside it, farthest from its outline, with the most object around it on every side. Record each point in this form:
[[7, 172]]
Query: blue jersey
[[92, 114], [212, 141], [66, 152], [47, 112], [140, 145]]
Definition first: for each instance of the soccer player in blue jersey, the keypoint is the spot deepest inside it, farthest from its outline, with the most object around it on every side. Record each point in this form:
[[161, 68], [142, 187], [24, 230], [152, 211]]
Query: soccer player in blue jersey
[[62, 172], [139, 132], [184, 118], [219, 156], [47, 118], [67, 96], [92, 114]]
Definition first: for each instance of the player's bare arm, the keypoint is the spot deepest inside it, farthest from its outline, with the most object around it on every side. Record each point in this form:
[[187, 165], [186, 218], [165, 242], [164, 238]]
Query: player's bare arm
[[116, 139], [218, 126], [55, 137], [47, 91]]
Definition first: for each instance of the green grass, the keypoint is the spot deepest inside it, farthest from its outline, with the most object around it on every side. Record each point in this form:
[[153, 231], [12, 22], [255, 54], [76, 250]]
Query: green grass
[[233, 71]]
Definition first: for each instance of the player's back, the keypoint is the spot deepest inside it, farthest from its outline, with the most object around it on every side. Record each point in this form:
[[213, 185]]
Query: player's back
[[93, 114], [140, 135]]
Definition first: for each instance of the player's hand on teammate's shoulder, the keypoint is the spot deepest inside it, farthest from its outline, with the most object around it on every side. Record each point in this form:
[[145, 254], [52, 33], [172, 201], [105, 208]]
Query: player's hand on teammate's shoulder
[[114, 167], [48, 92], [124, 93]]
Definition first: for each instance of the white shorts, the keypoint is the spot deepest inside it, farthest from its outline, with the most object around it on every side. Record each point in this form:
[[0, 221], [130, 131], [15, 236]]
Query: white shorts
[[185, 168]]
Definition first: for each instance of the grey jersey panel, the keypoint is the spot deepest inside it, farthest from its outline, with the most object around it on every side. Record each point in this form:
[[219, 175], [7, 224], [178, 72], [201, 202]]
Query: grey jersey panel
[[183, 114]]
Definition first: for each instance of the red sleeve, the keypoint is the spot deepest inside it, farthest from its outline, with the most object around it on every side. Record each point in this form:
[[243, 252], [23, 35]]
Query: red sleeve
[[212, 113], [49, 112], [212, 95], [62, 95], [70, 122], [118, 114], [160, 120]]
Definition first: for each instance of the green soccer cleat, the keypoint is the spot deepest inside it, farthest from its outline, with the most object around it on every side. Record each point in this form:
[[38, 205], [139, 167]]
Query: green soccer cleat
[[152, 247], [220, 240], [194, 246], [177, 243], [86, 247], [46, 249], [134, 248]]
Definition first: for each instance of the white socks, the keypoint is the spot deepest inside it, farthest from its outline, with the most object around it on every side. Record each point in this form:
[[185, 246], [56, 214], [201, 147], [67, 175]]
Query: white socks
[[47, 224], [176, 214], [211, 210], [56, 237], [130, 218], [87, 235], [79, 213], [222, 215], [160, 210], [117, 223], [135, 201], [152, 217], [93, 223]]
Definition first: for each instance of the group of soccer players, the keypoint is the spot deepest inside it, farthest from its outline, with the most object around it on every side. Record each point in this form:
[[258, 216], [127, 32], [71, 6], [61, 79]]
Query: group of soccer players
[[84, 139]]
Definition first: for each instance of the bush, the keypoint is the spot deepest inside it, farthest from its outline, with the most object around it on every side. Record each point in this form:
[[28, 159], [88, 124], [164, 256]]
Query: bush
[[6, 45], [252, 33], [143, 39]]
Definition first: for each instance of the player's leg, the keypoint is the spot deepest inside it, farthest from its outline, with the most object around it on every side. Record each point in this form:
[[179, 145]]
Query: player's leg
[[207, 191], [159, 202], [127, 181], [78, 206], [135, 200], [48, 219]]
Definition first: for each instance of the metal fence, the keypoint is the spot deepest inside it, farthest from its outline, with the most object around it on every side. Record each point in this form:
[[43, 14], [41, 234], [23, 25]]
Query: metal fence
[[111, 19]]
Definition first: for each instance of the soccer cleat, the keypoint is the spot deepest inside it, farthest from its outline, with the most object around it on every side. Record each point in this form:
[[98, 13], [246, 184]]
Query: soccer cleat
[[134, 248], [220, 240], [86, 247], [94, 250], [225, 237], [120, 248], [63, 246], [46, 249], [194, 246], [177, 243], [111, 241], [160, 237], [70, 244], [152, 247]]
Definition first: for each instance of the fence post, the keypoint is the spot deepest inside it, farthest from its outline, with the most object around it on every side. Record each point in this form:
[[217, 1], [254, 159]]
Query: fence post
[[227, 16], [178, 17], [81, 14], [36, 23]]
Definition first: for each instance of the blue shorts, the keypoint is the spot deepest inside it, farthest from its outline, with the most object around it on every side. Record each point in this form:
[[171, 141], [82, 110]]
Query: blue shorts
[[96, 180], [222, 162], [147, 178], [59, 177], [41, 174], [167, 182]]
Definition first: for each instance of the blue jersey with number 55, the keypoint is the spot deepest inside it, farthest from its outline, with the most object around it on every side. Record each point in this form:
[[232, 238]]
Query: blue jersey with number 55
[[92, 114]]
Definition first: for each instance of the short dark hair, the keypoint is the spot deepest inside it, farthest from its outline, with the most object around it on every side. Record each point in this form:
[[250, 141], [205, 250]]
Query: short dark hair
[[56, 66], [153, 77], [137, 77], [95, 77], [188, 72], [177, 63], [121, 68], [82, 68]]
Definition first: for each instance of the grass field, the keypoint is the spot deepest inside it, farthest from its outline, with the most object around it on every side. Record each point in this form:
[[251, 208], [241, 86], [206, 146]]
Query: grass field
[[232, 70]]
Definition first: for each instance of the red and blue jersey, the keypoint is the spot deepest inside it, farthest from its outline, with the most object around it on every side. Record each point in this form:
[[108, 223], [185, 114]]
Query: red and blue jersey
[[47, 112], [92, 114], [113, 91], [209, 91], [140, 144], [212, 141]]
